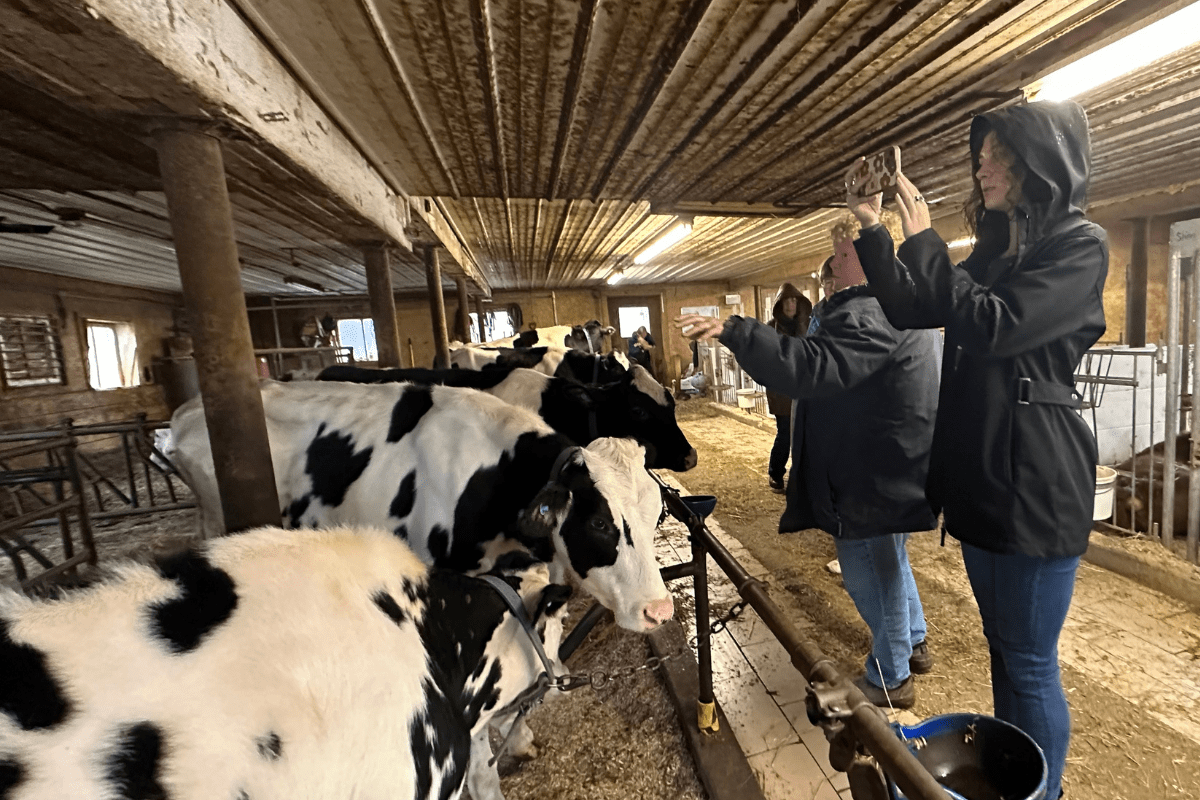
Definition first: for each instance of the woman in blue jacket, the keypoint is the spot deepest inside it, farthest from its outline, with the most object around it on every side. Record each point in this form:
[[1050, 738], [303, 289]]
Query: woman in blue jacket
[[1013, 465]]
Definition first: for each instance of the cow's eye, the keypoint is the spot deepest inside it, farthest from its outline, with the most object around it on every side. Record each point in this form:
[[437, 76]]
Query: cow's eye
[[640, 414], [599, 524]]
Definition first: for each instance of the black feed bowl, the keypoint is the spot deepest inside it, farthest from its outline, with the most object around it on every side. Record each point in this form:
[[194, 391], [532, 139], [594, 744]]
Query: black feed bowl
[[700, 504]]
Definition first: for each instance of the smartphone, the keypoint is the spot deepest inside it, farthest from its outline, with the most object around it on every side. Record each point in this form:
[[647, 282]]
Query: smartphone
[[875, 174]]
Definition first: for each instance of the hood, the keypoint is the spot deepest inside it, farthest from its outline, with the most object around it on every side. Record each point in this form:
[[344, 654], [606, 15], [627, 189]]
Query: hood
[[803, 305], [1053, 143]]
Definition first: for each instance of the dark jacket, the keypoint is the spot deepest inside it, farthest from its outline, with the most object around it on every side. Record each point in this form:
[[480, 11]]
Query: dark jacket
[[780, 405], [864, 425], [1013, 466]]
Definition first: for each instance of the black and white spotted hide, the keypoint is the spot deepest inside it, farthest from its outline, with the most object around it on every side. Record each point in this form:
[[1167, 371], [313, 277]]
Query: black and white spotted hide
[[273, 665], [635, 405], [455, 473]]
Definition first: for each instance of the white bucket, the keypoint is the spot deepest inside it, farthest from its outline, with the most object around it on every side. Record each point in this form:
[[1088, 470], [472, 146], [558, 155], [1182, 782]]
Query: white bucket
[[1106, 477], [746, 398]]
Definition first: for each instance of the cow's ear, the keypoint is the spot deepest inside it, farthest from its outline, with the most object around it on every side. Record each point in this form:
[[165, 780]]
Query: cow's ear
[[552, 598], [540, 518]]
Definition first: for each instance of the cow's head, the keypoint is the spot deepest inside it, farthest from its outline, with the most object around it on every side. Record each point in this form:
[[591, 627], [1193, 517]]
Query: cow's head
[[510, 662], [600, 508], [589, 337], [638, 406]]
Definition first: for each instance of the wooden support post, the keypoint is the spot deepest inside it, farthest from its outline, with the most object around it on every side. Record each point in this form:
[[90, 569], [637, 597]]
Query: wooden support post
[[193, 174], [479, 314], [1135, 284], [383, 306], [464, 310], [437, 308]]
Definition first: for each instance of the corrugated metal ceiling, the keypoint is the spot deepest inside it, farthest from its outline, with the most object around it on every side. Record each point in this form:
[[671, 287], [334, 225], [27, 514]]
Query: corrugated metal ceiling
[[549, 128], [560, 136]]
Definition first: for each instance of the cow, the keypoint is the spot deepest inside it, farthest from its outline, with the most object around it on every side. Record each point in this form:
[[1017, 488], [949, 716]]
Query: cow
[[462, 476], [634, 406], [587, 338], [1132, 510], [270, 665], [559, 362]]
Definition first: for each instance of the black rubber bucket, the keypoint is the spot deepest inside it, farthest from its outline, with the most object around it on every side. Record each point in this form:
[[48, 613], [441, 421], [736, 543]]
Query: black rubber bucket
[[977, 757]]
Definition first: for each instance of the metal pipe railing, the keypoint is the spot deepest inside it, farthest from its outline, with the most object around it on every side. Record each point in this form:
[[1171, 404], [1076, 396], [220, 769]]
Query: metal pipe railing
[[863, 721]]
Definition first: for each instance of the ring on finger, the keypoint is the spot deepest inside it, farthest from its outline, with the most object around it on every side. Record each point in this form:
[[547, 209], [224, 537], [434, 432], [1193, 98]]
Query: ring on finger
[[918, 199]]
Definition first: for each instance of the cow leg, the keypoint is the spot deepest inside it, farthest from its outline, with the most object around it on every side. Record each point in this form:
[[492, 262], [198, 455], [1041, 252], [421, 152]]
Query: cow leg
[[483, 781], [520, 741]]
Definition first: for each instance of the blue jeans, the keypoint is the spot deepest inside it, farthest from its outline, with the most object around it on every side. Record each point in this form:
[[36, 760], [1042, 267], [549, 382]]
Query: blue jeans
[[879, 580], [782, 446], [1023, 601]]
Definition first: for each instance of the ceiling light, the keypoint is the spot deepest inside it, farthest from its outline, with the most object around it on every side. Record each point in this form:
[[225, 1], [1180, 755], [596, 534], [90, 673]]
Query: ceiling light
[[1132, 52], [616, 277], [957, 243], [672, 235]]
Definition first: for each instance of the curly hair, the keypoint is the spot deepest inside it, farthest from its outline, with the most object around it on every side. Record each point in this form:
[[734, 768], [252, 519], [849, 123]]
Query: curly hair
[[973, 209], [846, 227]]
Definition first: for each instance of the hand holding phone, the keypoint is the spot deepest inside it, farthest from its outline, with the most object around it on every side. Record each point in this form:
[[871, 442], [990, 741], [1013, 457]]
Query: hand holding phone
[[876, 174]]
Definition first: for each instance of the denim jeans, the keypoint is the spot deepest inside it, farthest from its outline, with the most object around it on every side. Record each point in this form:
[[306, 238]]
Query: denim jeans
[[879, 580], [782, 446], [1023, 601]]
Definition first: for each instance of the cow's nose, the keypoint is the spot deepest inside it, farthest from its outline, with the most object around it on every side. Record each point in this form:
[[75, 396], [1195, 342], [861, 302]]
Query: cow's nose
[[658, 612], [690, 460]]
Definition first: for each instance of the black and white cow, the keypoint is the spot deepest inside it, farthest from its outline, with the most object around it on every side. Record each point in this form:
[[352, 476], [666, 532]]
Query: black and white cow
[[268, 666], [558, 362], [634, 406], [462, 476], [587, 338]]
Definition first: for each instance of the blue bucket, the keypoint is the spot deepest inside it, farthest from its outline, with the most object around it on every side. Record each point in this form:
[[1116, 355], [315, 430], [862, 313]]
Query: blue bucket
[[977, 757]]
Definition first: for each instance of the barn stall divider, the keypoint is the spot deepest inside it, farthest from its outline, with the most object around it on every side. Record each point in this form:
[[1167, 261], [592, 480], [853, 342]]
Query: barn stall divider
[[131, 479], [862, 741]]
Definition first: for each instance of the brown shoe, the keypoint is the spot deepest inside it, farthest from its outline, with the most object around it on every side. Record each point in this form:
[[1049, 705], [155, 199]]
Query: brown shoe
[[902, 696], [921, 661]]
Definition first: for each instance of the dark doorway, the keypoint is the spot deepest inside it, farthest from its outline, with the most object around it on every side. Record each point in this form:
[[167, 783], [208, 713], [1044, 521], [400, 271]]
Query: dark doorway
[[626, 314]]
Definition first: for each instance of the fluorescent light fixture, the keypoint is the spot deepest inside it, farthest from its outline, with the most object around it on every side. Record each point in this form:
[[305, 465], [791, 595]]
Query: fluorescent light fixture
[[616, 277], [1159, 39], [957, 243], [669, 237]]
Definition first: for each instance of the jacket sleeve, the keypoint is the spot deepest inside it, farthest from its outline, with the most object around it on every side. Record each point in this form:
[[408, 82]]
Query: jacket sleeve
[[847, 349], [1044, 299], [1041, 301], [910, 297]]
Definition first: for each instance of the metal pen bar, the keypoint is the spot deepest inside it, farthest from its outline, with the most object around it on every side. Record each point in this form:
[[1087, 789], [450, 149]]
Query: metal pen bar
[[868, 723], [1172, 398]]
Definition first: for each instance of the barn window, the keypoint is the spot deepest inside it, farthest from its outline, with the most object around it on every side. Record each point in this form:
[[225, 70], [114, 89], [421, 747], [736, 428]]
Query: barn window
[[30, 352], [112, 355], [496, 324], [359, 334]]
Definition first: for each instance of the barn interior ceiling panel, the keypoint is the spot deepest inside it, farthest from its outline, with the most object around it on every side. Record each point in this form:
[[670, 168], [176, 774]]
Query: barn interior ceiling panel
[[557, 138]]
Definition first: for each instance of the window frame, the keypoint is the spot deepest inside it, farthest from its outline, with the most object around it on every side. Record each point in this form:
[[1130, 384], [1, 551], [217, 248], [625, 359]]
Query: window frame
[[17, 351]]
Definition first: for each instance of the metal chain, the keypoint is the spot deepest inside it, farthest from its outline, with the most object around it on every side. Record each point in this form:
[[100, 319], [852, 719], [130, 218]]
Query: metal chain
[[599, 679]]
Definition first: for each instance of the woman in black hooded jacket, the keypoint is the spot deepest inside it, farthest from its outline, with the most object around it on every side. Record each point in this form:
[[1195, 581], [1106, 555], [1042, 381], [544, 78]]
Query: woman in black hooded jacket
[[1013, 465], [790, 317]]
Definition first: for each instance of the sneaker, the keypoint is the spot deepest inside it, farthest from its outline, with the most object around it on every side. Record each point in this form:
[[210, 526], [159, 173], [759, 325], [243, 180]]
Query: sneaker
[[903, 696], [921, 661], [776, 485]]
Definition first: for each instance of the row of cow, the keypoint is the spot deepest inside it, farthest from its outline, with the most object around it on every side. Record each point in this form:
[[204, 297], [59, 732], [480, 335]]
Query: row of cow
[[365, 659]]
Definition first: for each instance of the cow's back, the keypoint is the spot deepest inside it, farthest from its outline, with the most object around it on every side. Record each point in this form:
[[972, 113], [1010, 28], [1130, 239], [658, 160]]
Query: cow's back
[[270, 686], [445, 468]]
